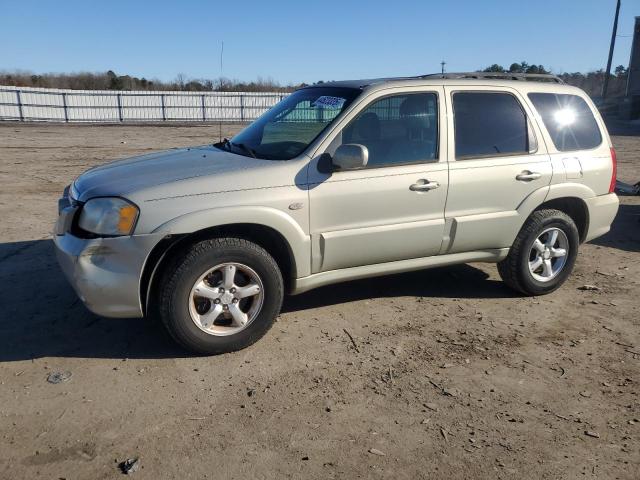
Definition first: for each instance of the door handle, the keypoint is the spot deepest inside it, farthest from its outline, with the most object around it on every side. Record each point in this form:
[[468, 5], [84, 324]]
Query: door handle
[[423, 185], [527, 176]]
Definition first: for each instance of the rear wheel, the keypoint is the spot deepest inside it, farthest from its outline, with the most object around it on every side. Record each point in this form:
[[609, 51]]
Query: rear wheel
[[221, 295], [543, 254]]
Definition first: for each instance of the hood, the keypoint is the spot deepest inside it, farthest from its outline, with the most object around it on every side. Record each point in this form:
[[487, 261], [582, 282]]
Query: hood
[[170, 168]]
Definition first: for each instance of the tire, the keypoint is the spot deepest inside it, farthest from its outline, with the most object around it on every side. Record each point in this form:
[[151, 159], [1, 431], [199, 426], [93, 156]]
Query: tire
[[194, 321], [525, 253]]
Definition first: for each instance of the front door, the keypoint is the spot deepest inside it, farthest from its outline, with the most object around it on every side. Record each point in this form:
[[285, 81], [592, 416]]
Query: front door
[[392, 209]]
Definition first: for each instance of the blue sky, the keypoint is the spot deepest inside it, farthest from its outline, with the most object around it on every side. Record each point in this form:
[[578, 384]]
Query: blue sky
[[308, 40]]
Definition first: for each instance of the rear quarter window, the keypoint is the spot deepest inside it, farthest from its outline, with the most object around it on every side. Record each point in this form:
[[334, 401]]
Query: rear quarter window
[[569, 121]]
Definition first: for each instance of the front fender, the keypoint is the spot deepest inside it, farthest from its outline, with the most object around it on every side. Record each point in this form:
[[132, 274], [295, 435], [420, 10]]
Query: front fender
[[299, 242]]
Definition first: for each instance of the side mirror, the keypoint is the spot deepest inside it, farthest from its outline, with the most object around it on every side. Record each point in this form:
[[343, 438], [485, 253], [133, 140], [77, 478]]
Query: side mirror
[[350, 156]]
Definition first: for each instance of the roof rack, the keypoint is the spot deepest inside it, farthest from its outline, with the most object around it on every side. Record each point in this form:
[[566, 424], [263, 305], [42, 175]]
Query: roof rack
[[536, 77]]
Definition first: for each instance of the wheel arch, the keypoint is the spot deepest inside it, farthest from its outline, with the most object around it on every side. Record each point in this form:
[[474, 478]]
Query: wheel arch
[[280, 236], [575, 207], [566, 197]]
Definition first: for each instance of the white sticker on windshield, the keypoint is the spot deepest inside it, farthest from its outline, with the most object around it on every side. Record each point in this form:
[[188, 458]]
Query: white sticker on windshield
[[327, 101]]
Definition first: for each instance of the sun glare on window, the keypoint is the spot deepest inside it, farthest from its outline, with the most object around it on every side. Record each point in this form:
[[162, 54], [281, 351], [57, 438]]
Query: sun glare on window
[[564, 117]]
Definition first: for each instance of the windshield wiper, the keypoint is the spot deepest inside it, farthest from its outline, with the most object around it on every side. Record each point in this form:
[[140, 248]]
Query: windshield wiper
[[242, 146], [225, 143], [228, 144]]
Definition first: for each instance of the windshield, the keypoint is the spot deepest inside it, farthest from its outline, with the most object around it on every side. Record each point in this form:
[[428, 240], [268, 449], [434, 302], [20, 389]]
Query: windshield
[[287, 129]]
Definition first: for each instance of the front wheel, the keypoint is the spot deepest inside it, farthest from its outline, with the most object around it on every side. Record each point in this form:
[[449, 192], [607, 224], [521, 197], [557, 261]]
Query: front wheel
[[543, 254], [221, 295]]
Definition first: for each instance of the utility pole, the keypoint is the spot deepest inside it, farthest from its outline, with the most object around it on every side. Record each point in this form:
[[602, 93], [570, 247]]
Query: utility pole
[[442, 64], [605, 86]]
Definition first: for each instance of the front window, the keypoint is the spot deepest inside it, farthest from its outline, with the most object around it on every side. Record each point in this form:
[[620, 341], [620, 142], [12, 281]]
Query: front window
[[396, 130], [287, 129]]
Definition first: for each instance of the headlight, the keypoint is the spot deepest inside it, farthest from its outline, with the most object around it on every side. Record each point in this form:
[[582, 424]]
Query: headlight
[[108, 216]]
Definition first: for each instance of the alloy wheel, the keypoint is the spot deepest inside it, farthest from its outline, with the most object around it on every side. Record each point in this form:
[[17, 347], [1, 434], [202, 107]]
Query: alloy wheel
[[226, 299], [548, 254]]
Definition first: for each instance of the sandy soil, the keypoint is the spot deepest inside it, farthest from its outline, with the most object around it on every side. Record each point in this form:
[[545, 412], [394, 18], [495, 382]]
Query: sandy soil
[[451, 376]]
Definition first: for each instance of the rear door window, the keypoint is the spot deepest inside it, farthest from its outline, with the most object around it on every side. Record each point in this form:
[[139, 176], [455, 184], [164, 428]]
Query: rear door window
[[489, 124], [569, 121]]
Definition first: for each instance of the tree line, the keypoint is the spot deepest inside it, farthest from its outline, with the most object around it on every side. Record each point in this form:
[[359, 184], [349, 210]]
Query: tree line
[[111, 81], [590, 82]]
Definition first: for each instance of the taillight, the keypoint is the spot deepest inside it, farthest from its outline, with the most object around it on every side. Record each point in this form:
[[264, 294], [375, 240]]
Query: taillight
[[614, 164]]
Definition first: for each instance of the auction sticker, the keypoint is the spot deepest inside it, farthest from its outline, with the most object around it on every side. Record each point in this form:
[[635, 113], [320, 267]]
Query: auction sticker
[[327, 101]]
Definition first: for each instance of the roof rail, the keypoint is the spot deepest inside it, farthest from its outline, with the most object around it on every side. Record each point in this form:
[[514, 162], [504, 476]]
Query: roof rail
[[536, 77]]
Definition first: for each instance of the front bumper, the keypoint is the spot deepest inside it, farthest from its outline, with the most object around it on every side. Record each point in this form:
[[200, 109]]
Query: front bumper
[[106, 272]]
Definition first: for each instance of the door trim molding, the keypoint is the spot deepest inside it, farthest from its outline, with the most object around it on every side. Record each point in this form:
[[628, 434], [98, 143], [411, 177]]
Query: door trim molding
[[304, 284]]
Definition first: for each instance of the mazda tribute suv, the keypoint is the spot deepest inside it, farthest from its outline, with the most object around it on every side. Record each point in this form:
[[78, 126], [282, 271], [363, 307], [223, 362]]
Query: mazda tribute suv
[[341, 181]]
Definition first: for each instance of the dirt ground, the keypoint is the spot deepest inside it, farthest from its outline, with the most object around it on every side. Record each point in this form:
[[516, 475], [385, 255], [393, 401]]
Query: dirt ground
[[451, 376]]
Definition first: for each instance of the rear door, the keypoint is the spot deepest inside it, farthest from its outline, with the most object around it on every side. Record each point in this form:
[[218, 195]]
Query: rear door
[[495, 162]]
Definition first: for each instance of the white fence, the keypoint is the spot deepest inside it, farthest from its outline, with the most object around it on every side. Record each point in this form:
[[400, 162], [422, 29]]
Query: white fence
[[57, 105]]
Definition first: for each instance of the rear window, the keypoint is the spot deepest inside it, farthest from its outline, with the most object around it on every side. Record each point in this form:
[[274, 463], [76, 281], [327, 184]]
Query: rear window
[[569, 121], [489, 124]]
